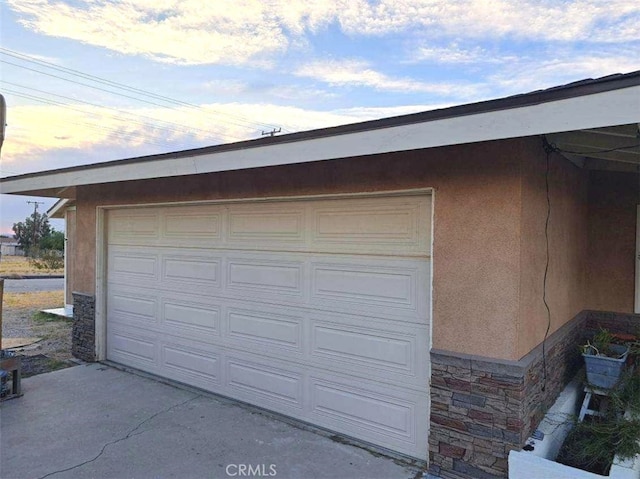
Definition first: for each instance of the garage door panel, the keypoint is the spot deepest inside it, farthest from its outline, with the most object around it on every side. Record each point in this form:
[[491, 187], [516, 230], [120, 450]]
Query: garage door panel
[[363, 225], [174, 314], [369, 347], [191, 365], [314, 309], [363, 409], [190, 318], [339, 402], [262, 277], [133, 307], [281, 388], [131, 348], [376, 286], [139, 226], [191, 269], [137, 266], [195, 224], [259, 225], [358, 284], [387, 351], [270, 330], [165, 270], [192, 225], [372, 285]]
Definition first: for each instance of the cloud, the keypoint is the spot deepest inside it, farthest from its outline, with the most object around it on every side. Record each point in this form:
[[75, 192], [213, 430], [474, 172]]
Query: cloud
[[36, 131], [564, 67], [358, 73], [225, 87], [172, 31], [255, 32], [456, 55], [528, 19], [265, 90]]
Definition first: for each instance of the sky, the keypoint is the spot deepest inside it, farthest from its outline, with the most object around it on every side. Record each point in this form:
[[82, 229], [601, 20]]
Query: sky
[[88, 81]]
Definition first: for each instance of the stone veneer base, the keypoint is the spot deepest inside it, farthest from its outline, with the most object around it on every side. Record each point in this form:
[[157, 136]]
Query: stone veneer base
[[615, 322], [482, 408], [83, 335]]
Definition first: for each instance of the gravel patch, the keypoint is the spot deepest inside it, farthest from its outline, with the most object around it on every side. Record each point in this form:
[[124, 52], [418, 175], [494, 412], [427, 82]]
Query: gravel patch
[[39, 363], [52, 352]]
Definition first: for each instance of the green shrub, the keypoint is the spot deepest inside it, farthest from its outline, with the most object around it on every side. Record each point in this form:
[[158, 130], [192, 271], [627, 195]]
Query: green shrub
[[47, 259]]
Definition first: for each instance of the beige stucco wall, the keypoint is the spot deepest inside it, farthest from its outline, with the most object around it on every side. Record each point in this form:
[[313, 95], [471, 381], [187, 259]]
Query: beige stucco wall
[[476, 225], [488, 249], [566, 276], [70, 256], [592, 235], [613, 198]]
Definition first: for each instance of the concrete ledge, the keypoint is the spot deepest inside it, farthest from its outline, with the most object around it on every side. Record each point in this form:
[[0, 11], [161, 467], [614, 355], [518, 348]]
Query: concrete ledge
[[59, 312]]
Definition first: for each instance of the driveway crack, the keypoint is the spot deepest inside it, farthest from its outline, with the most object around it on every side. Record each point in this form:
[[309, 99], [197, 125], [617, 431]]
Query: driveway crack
[[131, 433]]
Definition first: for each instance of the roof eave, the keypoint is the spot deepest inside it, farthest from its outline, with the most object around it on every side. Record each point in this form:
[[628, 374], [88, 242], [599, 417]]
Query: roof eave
[[569, 108]]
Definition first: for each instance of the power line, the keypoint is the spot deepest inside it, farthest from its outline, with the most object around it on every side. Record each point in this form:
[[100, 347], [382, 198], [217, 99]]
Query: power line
[[118, 133], [113, 84], [102, 89], [97, 88], [184, 128]]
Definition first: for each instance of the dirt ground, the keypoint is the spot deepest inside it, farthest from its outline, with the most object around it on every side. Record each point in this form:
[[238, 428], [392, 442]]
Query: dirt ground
[[22, 318], [16, 266]]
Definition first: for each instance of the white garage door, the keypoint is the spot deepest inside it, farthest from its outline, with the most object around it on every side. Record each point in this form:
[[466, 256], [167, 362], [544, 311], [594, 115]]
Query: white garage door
[[317, 309]]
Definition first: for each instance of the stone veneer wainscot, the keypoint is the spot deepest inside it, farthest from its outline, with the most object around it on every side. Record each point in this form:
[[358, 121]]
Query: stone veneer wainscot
[[483, 408], [84, 327]]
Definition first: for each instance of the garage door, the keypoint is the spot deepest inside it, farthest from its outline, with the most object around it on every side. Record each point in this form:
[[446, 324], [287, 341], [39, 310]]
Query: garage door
[[316, 309]]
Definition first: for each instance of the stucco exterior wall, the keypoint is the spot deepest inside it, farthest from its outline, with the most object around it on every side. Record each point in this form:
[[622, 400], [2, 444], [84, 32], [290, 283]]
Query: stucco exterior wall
[[613, 199], [488, 246], [70, 256], [476, 244], [566, 277]]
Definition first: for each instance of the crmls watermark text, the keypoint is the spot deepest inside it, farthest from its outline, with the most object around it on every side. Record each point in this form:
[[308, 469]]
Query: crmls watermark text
[[251, 470]]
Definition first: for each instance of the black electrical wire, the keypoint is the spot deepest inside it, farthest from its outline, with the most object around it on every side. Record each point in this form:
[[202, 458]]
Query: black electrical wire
[[112, 84], [105, 90], [619, 148], [113, 130], [548, 150], [174, 127]]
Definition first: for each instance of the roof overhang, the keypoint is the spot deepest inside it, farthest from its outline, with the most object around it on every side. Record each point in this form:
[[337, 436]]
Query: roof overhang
[[606, 110], [615, 147], [60, 207]]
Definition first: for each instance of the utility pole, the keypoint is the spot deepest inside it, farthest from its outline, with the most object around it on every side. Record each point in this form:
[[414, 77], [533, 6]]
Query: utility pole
[[35, 220], [272, 132]]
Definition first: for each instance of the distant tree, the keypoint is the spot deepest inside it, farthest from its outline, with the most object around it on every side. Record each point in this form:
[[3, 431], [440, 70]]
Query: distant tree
[[54, 241], [30, 232]]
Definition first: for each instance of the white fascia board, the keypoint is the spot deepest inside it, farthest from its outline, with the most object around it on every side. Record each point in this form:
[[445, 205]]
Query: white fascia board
[[610, 108], [57, 210]]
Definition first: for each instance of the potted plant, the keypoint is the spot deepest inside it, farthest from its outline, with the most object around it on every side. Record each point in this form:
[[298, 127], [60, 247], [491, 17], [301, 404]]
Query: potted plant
[[593, 444], [606, 445], [604, 360]]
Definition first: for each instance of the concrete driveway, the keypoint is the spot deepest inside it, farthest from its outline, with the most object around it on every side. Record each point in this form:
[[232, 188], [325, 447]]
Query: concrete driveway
[[95, 421]]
